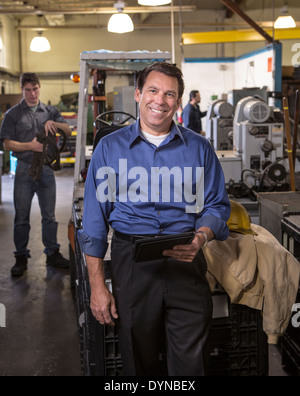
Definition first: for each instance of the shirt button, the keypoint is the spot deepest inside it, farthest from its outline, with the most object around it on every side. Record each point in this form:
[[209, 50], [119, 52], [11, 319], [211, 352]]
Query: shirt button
[[161, 230], [158, 213]]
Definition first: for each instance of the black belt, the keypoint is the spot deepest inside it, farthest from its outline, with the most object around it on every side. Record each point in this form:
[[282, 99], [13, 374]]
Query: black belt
[[131, 238]]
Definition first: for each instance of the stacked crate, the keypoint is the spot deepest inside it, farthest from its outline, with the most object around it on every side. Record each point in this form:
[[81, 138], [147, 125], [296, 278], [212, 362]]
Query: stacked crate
[[290, 342], [237, 345]]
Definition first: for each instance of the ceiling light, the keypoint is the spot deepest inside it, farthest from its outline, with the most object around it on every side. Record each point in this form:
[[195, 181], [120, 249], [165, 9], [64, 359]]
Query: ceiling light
[[40, 44], [154, 2], [285, 21], [120, 23]]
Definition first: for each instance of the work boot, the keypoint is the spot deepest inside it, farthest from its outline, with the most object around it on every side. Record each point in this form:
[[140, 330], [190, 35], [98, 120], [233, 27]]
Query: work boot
[[57, 260], [20, 267]]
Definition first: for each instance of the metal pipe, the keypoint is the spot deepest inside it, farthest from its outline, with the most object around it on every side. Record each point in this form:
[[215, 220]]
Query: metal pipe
[[179, 25], [296, 125], [20, 48], [173, 33], [289, 143]]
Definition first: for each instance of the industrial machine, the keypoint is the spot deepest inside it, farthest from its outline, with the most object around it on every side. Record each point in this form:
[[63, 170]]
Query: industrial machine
[[258, 141], [219, 125], [236, 95]]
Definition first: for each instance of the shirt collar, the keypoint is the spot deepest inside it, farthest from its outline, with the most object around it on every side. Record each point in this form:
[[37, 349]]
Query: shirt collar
[[25, 106], [136, 133]]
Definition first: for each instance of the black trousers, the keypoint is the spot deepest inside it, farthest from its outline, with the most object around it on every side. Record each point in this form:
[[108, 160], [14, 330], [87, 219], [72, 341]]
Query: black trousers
[[163, 306]]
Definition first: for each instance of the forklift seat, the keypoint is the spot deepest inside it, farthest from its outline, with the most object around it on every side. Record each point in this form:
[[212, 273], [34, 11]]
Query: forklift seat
[[107, 130]]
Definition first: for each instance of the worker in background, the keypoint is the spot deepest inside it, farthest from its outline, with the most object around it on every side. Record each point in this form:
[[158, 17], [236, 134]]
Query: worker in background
[[192, 114], [18, 133], [164, 303]]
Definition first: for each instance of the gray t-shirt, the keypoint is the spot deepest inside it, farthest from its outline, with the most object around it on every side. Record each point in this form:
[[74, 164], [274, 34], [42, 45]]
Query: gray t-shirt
[[21, 124]]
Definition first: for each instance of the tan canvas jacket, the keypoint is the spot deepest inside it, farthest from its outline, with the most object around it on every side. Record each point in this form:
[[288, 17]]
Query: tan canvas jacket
[[259, 272]]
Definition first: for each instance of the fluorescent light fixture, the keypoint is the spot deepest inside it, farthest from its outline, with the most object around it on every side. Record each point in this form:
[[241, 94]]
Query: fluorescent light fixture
[[120, 22], [284, 21], [40, 44], [154, 3]]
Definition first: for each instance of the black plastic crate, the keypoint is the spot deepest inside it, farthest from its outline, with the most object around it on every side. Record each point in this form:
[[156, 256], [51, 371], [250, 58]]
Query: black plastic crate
[[237, 344], [292, 332], [112, 353], [290, 226], [230, 352], [290, 353], [225, 362], [290, 342]]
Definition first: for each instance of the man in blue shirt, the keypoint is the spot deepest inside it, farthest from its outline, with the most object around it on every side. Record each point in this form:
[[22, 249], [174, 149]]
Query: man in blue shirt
[[191, 114], [154, 178]]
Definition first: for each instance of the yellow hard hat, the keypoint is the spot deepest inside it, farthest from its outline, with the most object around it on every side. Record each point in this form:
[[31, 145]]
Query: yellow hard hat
[[239, 220]]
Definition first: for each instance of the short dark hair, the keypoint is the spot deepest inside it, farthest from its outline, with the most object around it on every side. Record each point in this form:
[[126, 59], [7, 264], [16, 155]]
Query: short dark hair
[[29, 78], [164, 68], [193, 94]]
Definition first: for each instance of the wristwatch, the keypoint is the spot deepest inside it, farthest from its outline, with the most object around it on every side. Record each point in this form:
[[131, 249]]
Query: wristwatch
[[204, 236]]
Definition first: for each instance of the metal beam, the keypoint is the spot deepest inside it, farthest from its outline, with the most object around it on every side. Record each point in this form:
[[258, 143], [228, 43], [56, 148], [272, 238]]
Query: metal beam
[[195, 25], [235, 36], [84, 10], [232, 6]]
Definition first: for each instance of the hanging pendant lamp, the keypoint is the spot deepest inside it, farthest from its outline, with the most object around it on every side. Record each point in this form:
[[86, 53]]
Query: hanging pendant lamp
[[154, 3], [120, 22], [284, 21], [40, 43]]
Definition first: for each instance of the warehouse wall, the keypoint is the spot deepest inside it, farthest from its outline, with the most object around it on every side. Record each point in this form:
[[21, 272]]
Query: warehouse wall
[[68, 43], [9, 55], [216, 78]]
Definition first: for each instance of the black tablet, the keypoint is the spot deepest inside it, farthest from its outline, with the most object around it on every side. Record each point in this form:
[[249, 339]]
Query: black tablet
[[148, 249]]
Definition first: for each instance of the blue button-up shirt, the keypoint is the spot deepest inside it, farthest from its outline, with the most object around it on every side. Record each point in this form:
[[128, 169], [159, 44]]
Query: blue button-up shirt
[[139, 189]]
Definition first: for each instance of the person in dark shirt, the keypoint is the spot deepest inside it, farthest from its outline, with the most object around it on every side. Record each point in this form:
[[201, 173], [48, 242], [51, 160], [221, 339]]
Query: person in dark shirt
[[19, 129], [192, 114]]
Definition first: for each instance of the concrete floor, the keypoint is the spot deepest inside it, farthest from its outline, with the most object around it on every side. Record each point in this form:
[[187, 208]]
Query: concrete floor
[[41, 337]]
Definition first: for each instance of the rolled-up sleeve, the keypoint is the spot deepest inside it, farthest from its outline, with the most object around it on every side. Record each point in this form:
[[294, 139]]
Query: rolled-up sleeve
[[95, 226], [217, 209], [92, 246]]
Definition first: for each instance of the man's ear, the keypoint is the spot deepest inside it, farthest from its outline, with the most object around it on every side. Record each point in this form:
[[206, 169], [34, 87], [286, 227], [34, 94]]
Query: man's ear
[[179, 102], [137, 95]]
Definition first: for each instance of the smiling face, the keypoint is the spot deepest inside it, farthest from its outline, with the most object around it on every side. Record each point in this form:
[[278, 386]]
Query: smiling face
[[158, 103]]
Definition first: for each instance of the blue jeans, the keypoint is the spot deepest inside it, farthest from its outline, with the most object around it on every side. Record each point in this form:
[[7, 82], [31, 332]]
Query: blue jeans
[[24, 191]]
